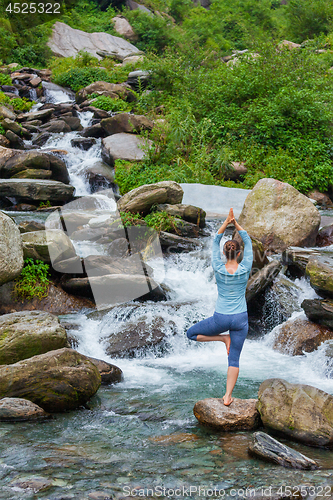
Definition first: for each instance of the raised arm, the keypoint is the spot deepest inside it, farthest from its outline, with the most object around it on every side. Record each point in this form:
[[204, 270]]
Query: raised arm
[[247, 260], [216, 253]]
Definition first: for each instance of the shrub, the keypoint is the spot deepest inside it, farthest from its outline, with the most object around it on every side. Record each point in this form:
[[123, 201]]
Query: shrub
[[161, 221], [109, 104], [33, 280], [309, 18], [5, 79], [129, 219], [19, 104]]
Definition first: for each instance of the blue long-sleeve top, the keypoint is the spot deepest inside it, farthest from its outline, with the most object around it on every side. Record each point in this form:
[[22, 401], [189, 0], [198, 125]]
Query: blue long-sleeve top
[[232, 287]]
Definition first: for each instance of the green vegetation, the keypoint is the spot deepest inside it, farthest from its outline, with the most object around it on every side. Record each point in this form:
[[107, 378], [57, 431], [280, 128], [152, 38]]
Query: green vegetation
[[33, 280], [129, 219], [19, 104], [5, 79], [2, 130], [109, 104], [162, 221], [45, 204]]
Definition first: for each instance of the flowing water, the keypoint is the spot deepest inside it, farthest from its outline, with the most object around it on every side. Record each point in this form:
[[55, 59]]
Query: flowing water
[[140, 436]]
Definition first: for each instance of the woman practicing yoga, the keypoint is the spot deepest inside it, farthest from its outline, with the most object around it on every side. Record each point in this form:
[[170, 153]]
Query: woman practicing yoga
[[231, 309]]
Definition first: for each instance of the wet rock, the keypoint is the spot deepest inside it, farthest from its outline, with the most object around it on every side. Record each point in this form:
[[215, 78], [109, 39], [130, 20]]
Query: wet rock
[[320, 272], [84, 143], [268, 448], [241, 414], [110, 374], [126, 123], [297, 258], [142, 198], [28, 333], [56, 126], [118, 248], [11, 252], [279, 216], [87, 233], [37, 190], [8, 124], [319, 311], [57, 301], [298, 336], [325, 236], [99, 265], [126, 147], [93, 131], [59, 169], [57, 381], [18, 410], [189, 213], [15, 141], [174, 243], [136, 336], [185, 229], [35, 115], [51, 245], [73, 122], [14, 161], [30, 225], [262, 279], [32, 173], [100, 176], [299, 411], [35, 484], [321, 199], [66, 42], [41, 139]]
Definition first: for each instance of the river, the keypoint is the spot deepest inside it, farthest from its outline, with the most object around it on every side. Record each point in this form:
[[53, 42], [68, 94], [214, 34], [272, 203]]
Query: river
[[141, 434]]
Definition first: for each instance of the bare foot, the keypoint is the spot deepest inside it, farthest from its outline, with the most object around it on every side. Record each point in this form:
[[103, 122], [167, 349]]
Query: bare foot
[[227, 400], [226, 340]]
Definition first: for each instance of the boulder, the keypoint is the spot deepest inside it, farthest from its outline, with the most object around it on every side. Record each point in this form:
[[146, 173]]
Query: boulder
[[114, 90], [30, 225], [110, 374], [174, 243], [20, 410], [289, 45], [320, 272], [41, 138], [57, 301], [56, 381], [43, 115], [189, 213], [279, 216], [241, 414], [133, 60], [319, 311], [100, 176], [143, 197], [4, 142], [325, 236], [11, 252], [83, 143], [299, 411], [8, 124], [15, 141], [28, 333], [73, 121], [93, 131], [235, 171], [66, 42], [262, 280], [59, 169], [321, 199], [33, 173], [265, 447], [16, 161], [36, 189], [50, 246], [298, 336], [126, 123], [128, 147], [135, 337], [7, 113], [123, 27], [99, 265], [297, 258], [56, 127]]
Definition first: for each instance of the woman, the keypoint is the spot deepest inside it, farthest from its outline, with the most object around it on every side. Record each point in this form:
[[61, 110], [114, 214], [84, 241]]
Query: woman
[[231, 309]]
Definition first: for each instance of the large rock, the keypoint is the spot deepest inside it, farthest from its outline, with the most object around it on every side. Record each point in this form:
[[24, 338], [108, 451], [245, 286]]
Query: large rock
[[66, 42], [189, 213], [319, 311], [173, 243], [262, 279], [298, 336], [142, 198], [50, 246], [325, 236], [114, 90], [123, 27], [297, 258], [279, 216], [268, 448], [16, 161], [241, 414], [7, 113], [43, 115], [135, 337], [19, 410], [56, 381], [100, 176], [126, 147], [26, 334], [110, 374], [36, 190], [320, 272], [127, 123], [11, 252], [299, 411]]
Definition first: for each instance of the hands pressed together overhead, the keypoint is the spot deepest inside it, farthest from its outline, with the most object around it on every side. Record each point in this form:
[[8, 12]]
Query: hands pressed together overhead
[[229, 220]]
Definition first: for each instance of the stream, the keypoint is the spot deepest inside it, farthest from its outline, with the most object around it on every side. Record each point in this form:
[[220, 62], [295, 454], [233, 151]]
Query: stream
[[140, 436]]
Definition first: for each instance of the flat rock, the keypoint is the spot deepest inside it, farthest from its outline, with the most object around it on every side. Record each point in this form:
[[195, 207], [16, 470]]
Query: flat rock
[[56, 381], [66, 42], [28, 333], [128, 147], [35, 115], [241, 414], [297, 257], [299, 411], [298, 336], [174, 243], [36, 189], [268, 448], [18, 410]]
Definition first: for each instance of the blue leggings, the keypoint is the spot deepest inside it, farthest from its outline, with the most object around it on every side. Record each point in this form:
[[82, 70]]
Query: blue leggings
[[237, 324]]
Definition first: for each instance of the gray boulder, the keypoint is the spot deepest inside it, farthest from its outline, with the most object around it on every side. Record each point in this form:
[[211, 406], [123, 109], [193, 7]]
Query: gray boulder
[[319, 311], [262, 280], [114, 90], [49, 245], [189, 213], [280, 216], [36, 190], [241, 414], [123, 27], [56, 381], [142, 198], [297, 258], [28, 333], [11, 252], [126, 123], [43, 115], [268, 448], [7, 113], [128, 147], [19, 410], [66, 42], [110, 374], [299, 411]]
